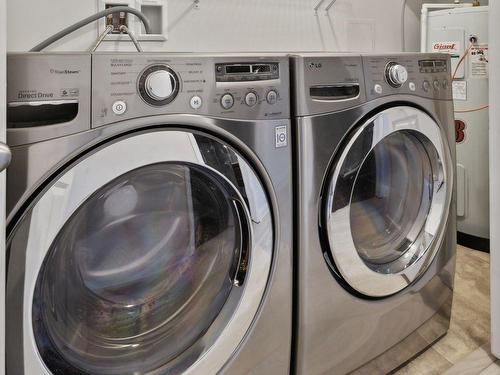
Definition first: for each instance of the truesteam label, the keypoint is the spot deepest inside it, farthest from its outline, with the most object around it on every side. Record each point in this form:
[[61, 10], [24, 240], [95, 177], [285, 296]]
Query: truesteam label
[[281, 136]]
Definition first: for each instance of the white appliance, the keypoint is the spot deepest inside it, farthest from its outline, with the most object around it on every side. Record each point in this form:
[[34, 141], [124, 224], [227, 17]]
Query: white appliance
[[457, 32], [495, 178]]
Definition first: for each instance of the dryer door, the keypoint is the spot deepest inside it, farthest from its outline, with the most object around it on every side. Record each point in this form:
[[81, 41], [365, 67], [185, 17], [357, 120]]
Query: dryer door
[[387, 201], [150, 255]]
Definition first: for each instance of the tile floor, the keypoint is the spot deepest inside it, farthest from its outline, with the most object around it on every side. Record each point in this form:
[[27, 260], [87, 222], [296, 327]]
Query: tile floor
[[465, 348]]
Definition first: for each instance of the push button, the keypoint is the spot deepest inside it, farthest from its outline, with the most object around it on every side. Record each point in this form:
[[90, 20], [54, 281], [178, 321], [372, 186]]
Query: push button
[[251, 99], [227, 101], [196, 102], [272, 97], [119, 107], [426, 85], [378, 89], [436, 85], [412, 86]]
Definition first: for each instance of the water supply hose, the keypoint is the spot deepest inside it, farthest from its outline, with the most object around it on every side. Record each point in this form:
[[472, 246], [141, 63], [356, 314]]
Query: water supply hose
[[68, 30], [124, 29]]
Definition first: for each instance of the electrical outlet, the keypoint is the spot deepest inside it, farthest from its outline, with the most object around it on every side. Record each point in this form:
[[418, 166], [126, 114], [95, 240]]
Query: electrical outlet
[[154, 10]]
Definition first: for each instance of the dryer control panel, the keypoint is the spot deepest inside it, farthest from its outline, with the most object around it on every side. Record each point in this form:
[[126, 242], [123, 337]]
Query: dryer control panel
[[330, 82], [424, 75], [126, 86]]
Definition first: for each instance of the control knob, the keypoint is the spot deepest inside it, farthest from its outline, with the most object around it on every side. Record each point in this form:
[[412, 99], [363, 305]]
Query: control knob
[[158, 85], [396, 74]]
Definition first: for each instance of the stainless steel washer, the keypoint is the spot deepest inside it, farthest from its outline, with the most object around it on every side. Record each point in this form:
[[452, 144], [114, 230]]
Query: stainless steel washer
[[375, 209], [149, 223]]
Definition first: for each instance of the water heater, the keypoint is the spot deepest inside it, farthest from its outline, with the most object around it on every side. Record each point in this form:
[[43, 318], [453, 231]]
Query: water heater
[[463, 33]]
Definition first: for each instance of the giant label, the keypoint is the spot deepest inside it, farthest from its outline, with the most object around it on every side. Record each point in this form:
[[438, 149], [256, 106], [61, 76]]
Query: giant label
[[446, 47]]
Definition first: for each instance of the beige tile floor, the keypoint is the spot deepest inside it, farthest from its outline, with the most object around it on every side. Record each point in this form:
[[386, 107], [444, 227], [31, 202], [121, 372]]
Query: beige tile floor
[[465, 348]]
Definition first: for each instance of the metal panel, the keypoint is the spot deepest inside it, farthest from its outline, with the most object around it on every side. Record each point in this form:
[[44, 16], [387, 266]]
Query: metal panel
[[265, 144], [115, 77], [461, 190], [67, 193], [369, 71], [323, 305], [430, 85], [313, 70], [256, 140], [36, 78]]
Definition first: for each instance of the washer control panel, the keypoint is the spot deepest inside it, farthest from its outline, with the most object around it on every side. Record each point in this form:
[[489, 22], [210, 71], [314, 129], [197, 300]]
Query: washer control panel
[[425, 75], [126, 86]]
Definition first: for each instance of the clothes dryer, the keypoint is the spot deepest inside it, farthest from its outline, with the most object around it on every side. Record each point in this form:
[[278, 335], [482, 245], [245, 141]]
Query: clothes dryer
[[375, 212]]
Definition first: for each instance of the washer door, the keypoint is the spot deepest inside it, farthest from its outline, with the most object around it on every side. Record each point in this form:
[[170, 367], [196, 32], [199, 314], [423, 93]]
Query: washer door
[[387, 201], [149, 256]]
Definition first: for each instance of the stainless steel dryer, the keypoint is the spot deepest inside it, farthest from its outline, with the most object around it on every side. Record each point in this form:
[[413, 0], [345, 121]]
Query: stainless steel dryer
[[376, 210], [149, 215]]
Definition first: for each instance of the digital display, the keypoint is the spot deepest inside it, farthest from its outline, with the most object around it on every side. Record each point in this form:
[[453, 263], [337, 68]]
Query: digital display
[[261, 68], [246, 71], [432, 66], [238, 69]]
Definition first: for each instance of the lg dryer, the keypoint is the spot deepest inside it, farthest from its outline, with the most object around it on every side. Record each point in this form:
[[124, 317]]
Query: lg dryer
[[375, 209], [149, 215]]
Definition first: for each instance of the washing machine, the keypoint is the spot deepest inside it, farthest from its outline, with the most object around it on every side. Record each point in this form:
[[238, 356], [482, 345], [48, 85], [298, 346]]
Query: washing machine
[[375, 240], [149, 214]]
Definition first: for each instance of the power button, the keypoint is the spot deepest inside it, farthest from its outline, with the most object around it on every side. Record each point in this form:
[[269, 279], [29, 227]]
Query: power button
[[119, 107]]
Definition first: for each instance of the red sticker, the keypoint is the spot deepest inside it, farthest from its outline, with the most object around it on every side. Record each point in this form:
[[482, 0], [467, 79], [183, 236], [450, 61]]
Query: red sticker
[[459, 131]]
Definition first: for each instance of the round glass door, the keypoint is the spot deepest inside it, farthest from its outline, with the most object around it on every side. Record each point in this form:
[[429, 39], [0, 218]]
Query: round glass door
[[140, 271], [154, 264], [387, 201]]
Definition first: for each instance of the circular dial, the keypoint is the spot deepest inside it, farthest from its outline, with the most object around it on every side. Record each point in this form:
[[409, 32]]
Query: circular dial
[[158, 85], [396, 74]]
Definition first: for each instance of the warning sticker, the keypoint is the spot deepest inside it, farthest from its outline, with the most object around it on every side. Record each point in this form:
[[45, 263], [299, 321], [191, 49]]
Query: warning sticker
[[479, 61], [459, 90]]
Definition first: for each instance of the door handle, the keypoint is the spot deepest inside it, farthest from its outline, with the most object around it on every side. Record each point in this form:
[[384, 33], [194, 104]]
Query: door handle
[[5, 156]]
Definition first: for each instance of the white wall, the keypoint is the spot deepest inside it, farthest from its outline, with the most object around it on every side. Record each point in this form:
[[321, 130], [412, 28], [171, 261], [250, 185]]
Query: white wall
[[494, 34], [231, 25]]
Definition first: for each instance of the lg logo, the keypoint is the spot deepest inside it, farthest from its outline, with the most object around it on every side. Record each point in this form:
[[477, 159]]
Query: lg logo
[[315, 65]]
